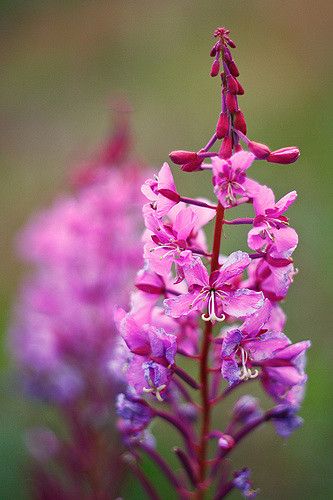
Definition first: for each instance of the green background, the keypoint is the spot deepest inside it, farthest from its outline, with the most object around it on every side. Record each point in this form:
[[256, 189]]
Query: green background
[[62, 61]]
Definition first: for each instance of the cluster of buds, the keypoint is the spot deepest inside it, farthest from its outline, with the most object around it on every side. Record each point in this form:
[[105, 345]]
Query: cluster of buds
[[187, 290], [85, 254], [231, 126]]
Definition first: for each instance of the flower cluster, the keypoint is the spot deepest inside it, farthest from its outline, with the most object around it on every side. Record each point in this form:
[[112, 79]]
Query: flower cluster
[[187, 289], [85, 251]]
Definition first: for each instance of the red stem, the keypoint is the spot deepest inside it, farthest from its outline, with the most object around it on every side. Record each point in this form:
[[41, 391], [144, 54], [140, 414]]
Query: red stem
[[204, 371]]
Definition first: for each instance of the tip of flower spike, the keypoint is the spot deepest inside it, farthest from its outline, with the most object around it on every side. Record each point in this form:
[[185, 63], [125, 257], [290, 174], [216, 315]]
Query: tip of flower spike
[[223, 34]]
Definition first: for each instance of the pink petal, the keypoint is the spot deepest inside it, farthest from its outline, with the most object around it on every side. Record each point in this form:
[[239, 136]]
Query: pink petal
[[263, 199], [243, 302], [256, 322], [282, 205], [196, 273], [234, 265], [180, 306], [285, 240], [242, 160], [184, 223]]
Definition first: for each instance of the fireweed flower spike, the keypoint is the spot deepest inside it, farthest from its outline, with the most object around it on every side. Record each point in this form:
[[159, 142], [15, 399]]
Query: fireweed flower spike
[[86, 251], [186, 291]]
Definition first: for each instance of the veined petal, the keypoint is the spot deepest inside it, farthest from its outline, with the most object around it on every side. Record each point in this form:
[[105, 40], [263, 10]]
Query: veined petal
[[263, 199], [243, 303], [196, 273], [242, 160], [182, 305], [256, 322], [184, 223], [283, 204], [234, 265]]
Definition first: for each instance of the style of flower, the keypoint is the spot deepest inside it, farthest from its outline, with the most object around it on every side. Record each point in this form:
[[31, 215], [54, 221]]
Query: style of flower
[[229, 178], [215, 291]]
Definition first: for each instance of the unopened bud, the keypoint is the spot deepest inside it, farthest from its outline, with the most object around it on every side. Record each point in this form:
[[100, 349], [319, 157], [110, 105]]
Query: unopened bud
[[226, 442], [233, 68], [226, 148], [181, 157], [239, 122], [238, 148], [231, 102], [192, 166], [260, 151], [231, 43], [232, 84], [222, 126], [213, 51], [284, 155], [215, 68], [240, 90]]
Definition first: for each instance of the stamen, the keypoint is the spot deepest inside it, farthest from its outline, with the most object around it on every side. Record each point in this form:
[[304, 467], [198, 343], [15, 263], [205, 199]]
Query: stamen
[[155, 390], [211, 316], [246, 373]]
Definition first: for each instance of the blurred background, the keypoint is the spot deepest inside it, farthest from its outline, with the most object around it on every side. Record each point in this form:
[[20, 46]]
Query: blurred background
[[61, 63]]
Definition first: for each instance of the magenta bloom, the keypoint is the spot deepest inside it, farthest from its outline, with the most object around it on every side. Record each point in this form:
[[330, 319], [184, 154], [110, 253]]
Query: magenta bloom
[[215, 291], [154, 352], [229, 178], [251, 346], [270, 226], [161, 191]]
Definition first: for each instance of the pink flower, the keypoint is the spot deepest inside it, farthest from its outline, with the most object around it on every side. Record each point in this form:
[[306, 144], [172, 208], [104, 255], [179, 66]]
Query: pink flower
[[270, 225], [176, 240], [229, 178], [215, 292], [161, 191]]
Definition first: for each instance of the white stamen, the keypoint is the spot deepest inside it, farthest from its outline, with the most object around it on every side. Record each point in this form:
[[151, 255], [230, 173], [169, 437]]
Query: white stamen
[[246, 373], [211, 316], [155, 390]]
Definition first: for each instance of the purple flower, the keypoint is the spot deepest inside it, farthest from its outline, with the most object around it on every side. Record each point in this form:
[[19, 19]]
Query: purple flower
[[154, 351], [215, 291], [135, 415], [285, 419], [242, 482], [246, 409], [229, 178]]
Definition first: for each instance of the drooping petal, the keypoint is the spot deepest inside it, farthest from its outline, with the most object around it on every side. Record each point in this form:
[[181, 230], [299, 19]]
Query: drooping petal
[[184, 223], [243, 302], [285, 241]]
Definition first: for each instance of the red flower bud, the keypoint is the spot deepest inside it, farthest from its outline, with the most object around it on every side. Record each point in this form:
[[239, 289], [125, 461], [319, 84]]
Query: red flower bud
[[233, 68], [240, 90], [284, 155], [231, 43], [232, 84], [192, 166], [226, 442], [226, 148], [222, 126], [238, 148], [231, 102], [260, 151], [215, 68], [213, 51], [181, 157], [239, 122]]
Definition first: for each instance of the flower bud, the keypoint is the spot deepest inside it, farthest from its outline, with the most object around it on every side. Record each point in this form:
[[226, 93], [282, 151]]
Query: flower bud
[[215, 68], [192, 166], [233, 68], [231, 102], [232, 84], [246, 409], [222, 126], [284, 155], [226, 148], [231, 43], [226, 442], [240, 90], [181, 157], [239, 122], [260, 151]]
